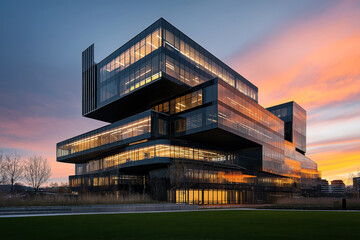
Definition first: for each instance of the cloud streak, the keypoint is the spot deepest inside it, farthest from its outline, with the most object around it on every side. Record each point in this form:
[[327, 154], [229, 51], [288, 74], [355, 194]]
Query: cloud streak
[[316, 62], [29, 135]]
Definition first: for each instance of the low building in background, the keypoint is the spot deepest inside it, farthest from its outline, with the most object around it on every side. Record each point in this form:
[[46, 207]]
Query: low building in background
[[324, 187], [337, 188], [184, 127], [356, 184]]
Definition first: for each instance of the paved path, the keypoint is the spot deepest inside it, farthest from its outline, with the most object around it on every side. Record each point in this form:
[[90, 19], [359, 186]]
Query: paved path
[[92, 209], [168, 211]]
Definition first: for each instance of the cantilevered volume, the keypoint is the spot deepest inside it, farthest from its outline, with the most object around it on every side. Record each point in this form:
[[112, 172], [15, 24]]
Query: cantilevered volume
[[184, 127]]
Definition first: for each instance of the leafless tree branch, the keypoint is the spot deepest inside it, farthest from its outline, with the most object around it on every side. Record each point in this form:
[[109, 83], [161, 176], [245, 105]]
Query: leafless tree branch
[[12, 168], [3, 179], [37, 171]]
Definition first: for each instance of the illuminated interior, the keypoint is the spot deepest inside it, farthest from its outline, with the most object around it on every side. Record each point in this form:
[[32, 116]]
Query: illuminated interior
[[149, 152], [132, 129]]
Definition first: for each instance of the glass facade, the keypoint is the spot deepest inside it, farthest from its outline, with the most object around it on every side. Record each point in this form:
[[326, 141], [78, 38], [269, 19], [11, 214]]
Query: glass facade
[[251, 110], [116, 132], [207, 185], [150, 151], [105, 181], [182, 71], [129, 80], [181, 104], [123, 59], [293, 165], [212, 196], [194, 121], [299, 127], [248, 119], [196, 175], [302, 168], [294, 117], [161, 48], [188, 50]]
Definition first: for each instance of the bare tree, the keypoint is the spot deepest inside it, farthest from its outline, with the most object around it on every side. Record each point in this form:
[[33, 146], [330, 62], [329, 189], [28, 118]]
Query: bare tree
[[54, 185], [37, 171], [2, 172], [12, 168]]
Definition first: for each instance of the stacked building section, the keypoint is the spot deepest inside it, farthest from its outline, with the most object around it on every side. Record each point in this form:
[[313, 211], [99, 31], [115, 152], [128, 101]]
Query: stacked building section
[[184, 127]]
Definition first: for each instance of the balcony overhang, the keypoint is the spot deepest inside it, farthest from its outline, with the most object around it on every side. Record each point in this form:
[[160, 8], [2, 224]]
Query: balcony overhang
[[220, 138], [139, 100], [144, 166]]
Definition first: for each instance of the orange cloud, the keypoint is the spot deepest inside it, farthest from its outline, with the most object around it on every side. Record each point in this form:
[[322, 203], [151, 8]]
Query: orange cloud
[[316, 62], [318, 57], [335, 163], [332, 143]]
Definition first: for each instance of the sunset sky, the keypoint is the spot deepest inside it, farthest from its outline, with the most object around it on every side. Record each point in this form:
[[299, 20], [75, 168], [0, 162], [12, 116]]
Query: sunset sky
[[306, 51]]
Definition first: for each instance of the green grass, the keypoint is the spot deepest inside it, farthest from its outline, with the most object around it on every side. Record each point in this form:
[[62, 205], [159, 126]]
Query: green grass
[[188, 225]]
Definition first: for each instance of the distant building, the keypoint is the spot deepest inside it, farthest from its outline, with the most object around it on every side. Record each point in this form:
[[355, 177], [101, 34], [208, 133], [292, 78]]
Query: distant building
[[356, 184], [337, 187], [324, 187]]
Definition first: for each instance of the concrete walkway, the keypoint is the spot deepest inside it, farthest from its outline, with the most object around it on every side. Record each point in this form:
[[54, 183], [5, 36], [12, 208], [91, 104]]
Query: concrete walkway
[[93, 209], [182, 208]]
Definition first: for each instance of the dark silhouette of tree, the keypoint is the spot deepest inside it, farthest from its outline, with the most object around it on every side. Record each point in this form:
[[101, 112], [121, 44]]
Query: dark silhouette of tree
[[3, 179], [37, 171], [12, 167]]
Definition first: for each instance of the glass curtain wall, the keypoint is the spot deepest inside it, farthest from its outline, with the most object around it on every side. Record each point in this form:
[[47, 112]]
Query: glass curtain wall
[[213, 196], [180, 104], [199, 185], [176, 41], [293, 166], [111, 135], [300, 166], [194, 121], [152, 151], [129, 80], [295, 123], [117, 77], [108, 179], [299, 128], [182, 72], [249, 119], [196, 175], [131, 55]]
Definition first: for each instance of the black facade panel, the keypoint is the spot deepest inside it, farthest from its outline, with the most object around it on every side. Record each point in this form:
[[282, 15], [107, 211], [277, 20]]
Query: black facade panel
[[89, 76]]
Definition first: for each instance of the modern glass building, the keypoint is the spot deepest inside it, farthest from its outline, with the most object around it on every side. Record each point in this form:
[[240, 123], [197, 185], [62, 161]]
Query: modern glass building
[[184, 127]]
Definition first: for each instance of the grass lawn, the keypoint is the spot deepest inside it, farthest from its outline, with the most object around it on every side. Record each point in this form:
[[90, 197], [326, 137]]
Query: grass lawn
[[188, 225]]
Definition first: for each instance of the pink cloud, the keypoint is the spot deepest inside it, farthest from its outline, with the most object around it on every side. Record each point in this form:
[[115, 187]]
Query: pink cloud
[[37, 135]]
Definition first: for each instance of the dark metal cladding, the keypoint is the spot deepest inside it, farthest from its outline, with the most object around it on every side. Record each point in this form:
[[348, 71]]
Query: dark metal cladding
[[89, 77]]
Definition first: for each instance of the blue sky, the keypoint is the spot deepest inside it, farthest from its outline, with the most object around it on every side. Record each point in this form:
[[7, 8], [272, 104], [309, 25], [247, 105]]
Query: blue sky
[[41, 44]]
